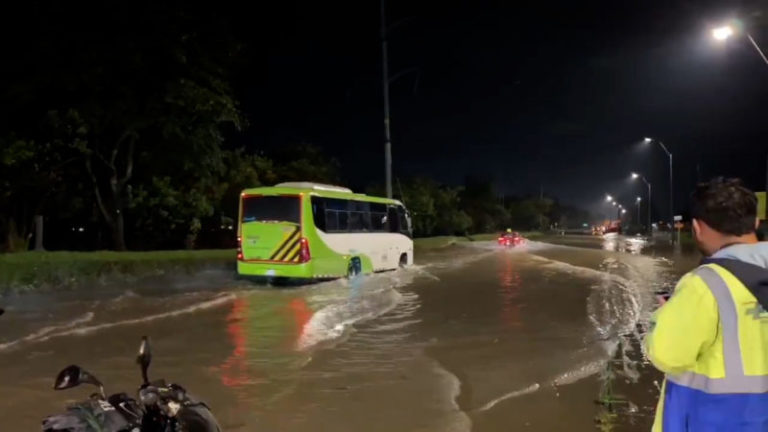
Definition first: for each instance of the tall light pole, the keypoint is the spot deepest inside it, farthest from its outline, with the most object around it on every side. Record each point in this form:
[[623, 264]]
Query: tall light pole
[[640, 176], [671, 187], [385, 90], [723, 33], [637, 201]]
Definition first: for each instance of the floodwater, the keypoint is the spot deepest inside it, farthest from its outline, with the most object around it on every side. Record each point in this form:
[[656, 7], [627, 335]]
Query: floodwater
[[473, 337]]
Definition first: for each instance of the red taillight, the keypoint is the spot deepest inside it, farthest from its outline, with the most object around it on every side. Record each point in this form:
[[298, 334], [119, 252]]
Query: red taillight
[[304, 254], [239, 249]]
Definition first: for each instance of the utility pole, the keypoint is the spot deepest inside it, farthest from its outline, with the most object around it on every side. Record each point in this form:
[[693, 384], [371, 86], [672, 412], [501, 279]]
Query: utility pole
[[385, 90]]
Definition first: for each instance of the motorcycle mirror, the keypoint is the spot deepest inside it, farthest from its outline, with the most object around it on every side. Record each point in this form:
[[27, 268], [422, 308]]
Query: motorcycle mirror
[[144, 358], [73, 376]]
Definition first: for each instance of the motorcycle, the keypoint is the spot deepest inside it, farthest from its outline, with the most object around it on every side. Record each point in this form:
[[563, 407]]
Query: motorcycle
[[161, 407]]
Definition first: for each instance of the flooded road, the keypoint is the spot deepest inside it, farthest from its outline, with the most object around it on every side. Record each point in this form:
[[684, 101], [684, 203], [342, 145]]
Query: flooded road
[[470, 338]]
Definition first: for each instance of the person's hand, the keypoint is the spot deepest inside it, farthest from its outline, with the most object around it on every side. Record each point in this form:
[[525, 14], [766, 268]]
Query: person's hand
[[662, 297]]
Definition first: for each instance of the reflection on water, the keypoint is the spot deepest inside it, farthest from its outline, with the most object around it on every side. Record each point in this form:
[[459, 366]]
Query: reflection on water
[[263, 331], [619, 243], [510, 284], [234, 369]]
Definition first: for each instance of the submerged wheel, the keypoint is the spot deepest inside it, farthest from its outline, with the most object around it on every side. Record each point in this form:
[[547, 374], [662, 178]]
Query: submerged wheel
[[403, 260], [355, 267]]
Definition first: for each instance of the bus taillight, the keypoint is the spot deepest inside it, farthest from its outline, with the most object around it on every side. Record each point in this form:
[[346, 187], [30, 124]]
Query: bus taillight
[[239, 249], [304, 254]]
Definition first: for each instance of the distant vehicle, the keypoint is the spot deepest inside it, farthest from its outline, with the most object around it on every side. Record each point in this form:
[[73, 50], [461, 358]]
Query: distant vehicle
[[613, 227], [511, 239], [302, 230]]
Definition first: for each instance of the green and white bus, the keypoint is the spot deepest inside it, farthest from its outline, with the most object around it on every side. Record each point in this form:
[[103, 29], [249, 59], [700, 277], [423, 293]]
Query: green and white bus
[[314, 231]]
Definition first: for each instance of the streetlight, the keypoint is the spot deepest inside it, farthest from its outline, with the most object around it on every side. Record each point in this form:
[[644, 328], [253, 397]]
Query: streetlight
[[637, 201], [726, 31], [385, 91], [608, 198], [723, 33], [671, 193], [640, 176]]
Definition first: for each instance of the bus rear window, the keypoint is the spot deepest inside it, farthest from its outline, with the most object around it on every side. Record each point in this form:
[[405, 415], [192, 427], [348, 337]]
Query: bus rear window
[[278, 208]]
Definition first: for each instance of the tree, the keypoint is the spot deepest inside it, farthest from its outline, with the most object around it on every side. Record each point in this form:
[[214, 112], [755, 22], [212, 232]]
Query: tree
[[434, 208], [419, 196], [155, 105], [479, 201], [305, 162], [33, 171]]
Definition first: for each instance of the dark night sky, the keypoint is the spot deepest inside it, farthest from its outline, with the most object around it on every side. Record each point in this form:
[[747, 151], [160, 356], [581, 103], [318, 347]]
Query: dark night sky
[[552, 95], [557, 95]]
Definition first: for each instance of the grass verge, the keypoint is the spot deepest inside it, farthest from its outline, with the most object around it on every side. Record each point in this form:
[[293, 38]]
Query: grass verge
[[34, 270], [62, 269]]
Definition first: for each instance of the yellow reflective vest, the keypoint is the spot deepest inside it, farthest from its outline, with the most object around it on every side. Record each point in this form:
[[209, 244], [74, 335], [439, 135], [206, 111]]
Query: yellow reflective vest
[[711, 341]]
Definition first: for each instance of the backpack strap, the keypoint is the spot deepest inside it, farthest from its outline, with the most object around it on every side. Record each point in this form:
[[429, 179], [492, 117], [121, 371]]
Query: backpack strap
[[754, 277]]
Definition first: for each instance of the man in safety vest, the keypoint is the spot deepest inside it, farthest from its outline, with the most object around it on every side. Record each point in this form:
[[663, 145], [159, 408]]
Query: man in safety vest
[[711, 337]]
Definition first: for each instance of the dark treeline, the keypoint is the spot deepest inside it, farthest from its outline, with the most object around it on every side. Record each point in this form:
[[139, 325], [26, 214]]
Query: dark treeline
[[120, 135], [476, 207]]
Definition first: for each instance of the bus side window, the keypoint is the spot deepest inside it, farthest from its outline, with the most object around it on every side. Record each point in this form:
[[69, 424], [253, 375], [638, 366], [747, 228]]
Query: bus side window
[[405, 221], [343, 221], [336, 213], [379, 222], [355, 221], [318, 212], [331, 221], [393, 219]]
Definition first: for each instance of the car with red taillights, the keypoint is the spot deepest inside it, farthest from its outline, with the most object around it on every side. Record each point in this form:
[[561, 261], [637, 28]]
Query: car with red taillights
[[510, 238]]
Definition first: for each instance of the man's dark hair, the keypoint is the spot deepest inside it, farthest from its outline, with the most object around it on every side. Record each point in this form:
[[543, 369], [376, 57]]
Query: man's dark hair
[[726, 205]]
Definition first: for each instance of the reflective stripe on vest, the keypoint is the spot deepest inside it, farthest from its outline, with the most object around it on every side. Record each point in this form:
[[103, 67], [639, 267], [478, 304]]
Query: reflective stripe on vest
[[735, 380]]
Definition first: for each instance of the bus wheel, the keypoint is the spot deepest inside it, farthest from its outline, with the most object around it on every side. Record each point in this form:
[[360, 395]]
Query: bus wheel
[[403, 260], [355, 267]]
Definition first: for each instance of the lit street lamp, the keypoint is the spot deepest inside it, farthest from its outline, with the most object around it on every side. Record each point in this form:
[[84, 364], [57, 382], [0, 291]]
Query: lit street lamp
[[637, 201], [640, 176], [671, 193], [724, 32], [608, 198]]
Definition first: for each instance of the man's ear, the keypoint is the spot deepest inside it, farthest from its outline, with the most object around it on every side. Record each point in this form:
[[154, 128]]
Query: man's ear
[[696, 227]]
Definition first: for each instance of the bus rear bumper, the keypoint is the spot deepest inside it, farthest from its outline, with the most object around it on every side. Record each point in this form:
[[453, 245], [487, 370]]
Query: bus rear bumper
[[269, 271]]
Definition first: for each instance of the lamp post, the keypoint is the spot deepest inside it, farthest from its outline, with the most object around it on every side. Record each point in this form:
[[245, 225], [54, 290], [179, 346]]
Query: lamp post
[[637, 201], [723, 33], [640, 176], [385, 91], [671, 189]]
